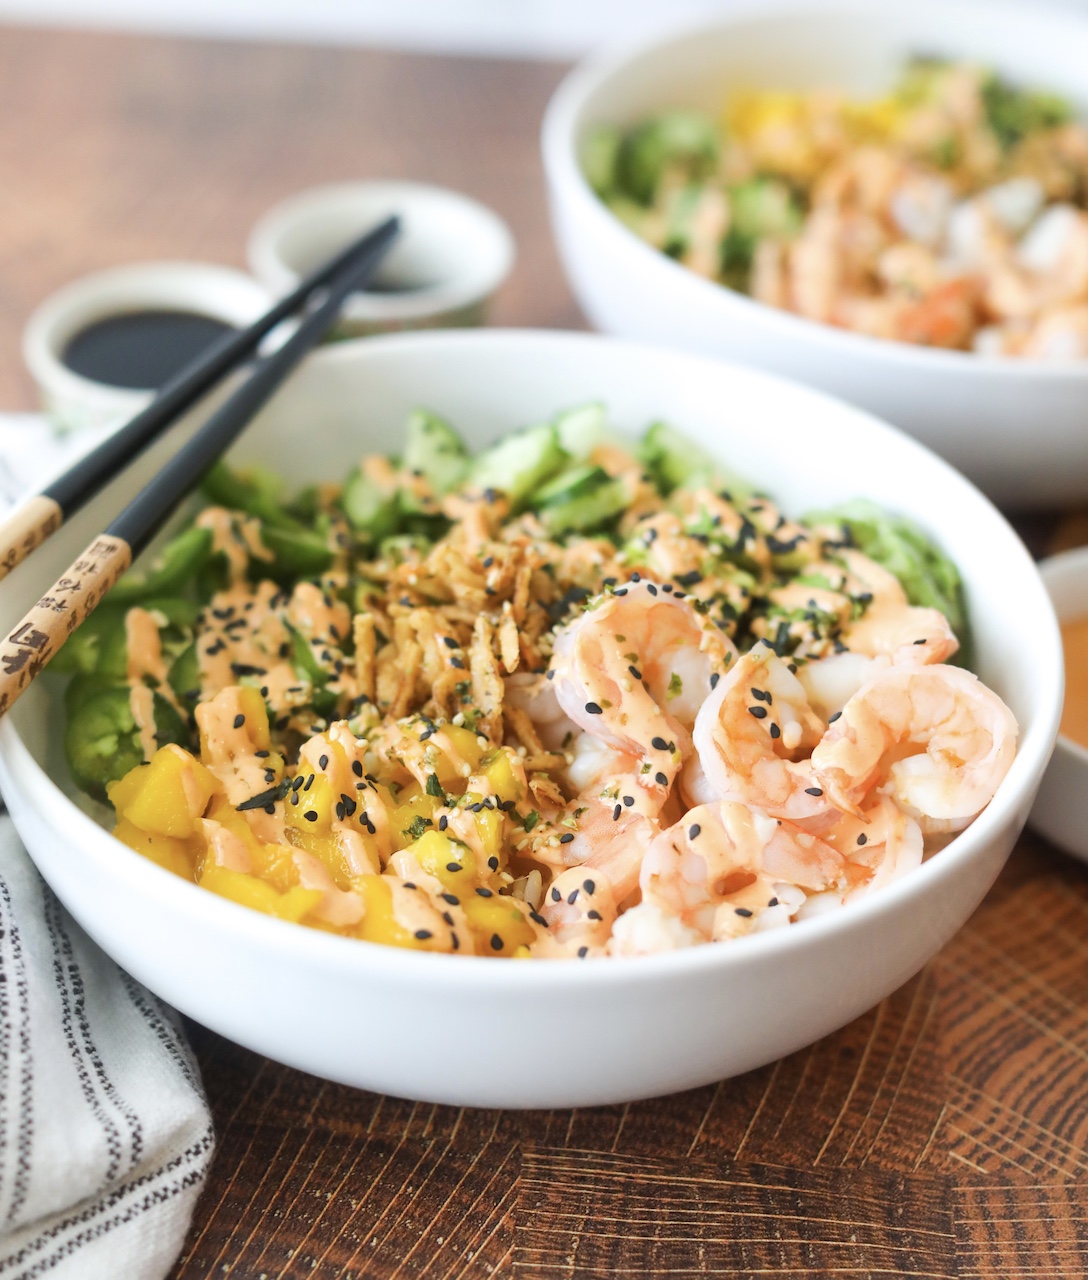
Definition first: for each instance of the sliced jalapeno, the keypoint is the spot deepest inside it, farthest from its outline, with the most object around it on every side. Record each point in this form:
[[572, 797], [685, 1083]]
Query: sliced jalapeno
[[181, 560], [103, 742]]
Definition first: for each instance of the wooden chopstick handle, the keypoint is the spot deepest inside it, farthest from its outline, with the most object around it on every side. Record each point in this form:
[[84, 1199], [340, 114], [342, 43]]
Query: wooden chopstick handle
[[27, 527], [27, 648]]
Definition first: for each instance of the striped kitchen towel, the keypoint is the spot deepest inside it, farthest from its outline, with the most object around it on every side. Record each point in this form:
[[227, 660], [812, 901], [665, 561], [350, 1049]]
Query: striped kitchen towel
[[105, 1135]]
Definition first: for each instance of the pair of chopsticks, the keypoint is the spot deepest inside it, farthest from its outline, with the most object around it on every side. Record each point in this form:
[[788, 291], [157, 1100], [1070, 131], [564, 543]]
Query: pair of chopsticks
[[37, 637]]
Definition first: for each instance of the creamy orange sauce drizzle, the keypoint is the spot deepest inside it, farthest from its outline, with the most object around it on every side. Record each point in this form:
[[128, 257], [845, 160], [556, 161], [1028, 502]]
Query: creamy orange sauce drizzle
[[141, 701], [1075, 710], [228, 753], [144, 646]]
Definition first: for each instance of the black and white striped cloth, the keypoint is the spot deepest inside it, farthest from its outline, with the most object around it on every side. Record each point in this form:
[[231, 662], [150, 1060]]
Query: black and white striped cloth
[[105, 1135]]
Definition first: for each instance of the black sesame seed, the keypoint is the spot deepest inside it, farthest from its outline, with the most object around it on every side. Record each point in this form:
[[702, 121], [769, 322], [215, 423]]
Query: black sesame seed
[[262, 755], [758, 712], [714, 678], [485, 893], [447, 917], [635, 672], [239, 720], [593, 709], [572, 897], [832, 719], [628, 801], [453, 866], [762, 695], [423, 934], [556, 896], [567, 838], [775, 731], [862, 838], [357, 768], [661, 780], [659, 744], [773, 902], [451, 898], [814, 791], [323, 763], [590, 886], [309, 783], [443, 823], [651, 588], [496, 942], [584, 951], [693, 831], [922, 641], [310, 816], [616, 812], [636, 577], [537, 918], [493, 863], [593, 915], [743, 911]]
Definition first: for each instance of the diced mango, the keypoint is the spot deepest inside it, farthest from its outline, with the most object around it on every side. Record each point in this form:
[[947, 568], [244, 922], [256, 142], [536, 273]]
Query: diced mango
[[256, 714], [497, 923], [489, 827], [249, 891], [379, 924], [314, 810], [447, 860], [167, 796], [166, 851], [499, 772], [407, 819]]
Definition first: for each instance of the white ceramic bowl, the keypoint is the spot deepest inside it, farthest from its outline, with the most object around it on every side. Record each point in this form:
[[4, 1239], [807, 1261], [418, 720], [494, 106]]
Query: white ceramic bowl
[[450, 257], [480, 1032], [1061, 807], [74, 402], [1016, 428]]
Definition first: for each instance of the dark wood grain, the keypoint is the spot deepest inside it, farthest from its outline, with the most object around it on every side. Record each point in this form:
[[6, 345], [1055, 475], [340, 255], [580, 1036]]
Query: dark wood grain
[[942, 1134]]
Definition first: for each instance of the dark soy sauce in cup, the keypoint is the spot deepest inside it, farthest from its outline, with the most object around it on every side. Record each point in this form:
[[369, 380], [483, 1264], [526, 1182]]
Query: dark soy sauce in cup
[[141, 350]]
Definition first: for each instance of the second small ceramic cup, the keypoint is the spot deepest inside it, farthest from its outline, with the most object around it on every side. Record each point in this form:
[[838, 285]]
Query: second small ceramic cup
[[452, 254]]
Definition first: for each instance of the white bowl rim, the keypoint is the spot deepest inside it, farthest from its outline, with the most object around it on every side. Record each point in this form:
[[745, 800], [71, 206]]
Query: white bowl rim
[[1075, 558], [265, 260], [562, 164], [481, 973], [148, 280]]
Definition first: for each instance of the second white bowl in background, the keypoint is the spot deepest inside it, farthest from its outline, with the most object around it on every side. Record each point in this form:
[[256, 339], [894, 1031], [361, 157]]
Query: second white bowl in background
[[1015, 427]]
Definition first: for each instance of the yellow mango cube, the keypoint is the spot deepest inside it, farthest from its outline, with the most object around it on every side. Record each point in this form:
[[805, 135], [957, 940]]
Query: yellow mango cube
[[168, 852], [379, 924], [168, 796], [498, 925], [447, 860], [249, 891]]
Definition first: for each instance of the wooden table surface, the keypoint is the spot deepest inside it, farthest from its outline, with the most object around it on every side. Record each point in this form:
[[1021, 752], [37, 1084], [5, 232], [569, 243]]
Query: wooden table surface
[[942, 1134]]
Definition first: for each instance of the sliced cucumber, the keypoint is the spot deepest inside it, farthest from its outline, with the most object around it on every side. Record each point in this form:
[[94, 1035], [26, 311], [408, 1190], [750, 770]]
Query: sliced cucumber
[[674, 462], [582, 428], [600, 158], [517, 464], [372, 510], [433, 448], [579, 499]]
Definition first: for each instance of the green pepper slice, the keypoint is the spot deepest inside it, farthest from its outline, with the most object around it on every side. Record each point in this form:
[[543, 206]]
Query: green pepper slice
[[102, 742]]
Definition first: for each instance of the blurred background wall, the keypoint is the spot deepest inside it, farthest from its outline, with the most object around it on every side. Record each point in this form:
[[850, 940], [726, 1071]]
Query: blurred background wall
[[525, 28]]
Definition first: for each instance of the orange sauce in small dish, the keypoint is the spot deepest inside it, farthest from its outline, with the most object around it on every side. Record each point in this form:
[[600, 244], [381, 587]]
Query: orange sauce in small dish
[[1075, 711]]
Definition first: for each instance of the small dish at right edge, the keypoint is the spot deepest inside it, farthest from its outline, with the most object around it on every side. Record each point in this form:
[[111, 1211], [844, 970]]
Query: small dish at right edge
[[1061, 807]]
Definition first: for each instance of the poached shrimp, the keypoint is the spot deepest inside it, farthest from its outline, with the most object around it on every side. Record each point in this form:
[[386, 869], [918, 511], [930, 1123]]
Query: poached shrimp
[[752, 738], [934, 739], [634, 669], [723, 870]]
